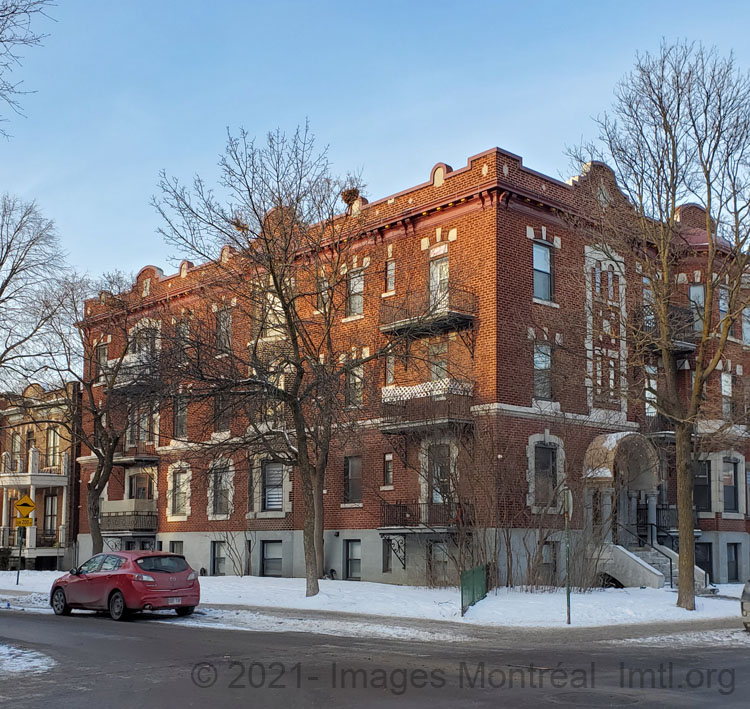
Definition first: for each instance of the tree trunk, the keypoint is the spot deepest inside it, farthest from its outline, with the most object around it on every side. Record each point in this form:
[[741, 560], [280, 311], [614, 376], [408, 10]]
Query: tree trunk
[[683, 463], [92, 507], [308, 534], [319, 524]]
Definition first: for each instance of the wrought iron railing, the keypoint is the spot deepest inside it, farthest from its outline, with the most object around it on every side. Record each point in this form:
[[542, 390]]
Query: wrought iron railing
[[428, 307], [427, 514], [128, 521], [681, 321], [441, 400]]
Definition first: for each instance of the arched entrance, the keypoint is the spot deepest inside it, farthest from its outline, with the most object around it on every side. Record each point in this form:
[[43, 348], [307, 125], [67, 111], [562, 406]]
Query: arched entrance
[[620, 472]]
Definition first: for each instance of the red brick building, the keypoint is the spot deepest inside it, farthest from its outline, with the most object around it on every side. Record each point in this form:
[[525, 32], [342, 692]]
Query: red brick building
[[463, 457]]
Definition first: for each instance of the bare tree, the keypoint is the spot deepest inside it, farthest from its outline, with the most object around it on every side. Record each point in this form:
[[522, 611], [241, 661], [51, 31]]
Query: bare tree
[[30, 259], [288, 254], [16, 33], [110, 369], [678, 132]]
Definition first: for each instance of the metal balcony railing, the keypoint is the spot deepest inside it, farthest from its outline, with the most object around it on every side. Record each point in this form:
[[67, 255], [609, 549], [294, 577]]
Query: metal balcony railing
[[443, 401], [51, 463], [426, 514], [681, 322], [128, 521], [425, 311]]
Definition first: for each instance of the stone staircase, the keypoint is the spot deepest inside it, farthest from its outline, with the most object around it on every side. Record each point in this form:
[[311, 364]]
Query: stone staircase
[[657, 561]]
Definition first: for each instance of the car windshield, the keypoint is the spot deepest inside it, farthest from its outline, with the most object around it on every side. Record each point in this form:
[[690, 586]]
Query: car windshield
[[166, 564]]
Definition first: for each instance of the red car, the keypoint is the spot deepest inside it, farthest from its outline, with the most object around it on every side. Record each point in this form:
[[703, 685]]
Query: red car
[[126, 581]]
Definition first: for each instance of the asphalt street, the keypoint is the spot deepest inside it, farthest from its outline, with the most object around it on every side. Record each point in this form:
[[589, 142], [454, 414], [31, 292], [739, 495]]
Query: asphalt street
[[144, 663]]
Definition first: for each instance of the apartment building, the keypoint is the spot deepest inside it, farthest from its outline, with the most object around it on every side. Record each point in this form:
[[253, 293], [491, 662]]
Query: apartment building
[[510, 386], [37, 458]]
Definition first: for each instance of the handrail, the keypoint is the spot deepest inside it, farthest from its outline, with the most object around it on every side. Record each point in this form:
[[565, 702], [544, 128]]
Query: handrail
[[656, 549], [666, 532]]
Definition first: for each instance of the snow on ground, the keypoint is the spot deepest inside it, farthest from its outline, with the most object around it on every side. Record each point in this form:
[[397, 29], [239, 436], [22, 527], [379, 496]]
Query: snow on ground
[[16, 660], [504, 607], [707, 638], [733, 590]]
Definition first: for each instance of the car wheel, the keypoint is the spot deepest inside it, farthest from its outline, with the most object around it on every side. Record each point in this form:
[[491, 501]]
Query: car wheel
[[117, 608], [59, 603], [185, 610]]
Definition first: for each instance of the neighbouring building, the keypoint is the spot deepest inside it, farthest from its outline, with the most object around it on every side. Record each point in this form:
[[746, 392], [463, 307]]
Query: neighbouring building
[[520, 394], [38, 452]]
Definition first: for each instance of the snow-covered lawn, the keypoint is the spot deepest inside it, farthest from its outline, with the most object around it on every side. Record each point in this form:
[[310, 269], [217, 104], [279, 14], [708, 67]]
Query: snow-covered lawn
[[705, 638], [16, 660], [501, 608]]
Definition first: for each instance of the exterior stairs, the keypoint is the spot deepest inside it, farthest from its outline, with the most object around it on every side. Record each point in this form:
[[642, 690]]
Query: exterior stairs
[[657, 561]]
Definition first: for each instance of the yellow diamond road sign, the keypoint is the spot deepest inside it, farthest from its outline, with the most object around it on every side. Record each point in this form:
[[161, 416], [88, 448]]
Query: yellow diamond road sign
[[23, 521], [25, 506]]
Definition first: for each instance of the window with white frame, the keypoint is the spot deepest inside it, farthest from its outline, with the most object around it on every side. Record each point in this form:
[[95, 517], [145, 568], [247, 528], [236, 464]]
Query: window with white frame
[[543, 283], [697, 297], [390, 369], [438, 358], [388, 469], [221, 489], [355, 289], [52, 454], [180, 491], [545, 472], [224, 330], [746, 326], [180, 417], [354, 385], [724, 298], [390, 276], [352, 479], [102, 360]]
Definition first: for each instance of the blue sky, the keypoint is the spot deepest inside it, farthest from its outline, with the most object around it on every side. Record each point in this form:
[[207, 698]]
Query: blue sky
[[124, 89]]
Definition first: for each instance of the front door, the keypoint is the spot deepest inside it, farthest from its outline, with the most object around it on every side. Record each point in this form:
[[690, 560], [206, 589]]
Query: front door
[[704, 557], [439, 283]]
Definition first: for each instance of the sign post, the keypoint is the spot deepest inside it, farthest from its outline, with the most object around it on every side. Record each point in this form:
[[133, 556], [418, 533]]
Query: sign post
[[568, 503], [25, 507]]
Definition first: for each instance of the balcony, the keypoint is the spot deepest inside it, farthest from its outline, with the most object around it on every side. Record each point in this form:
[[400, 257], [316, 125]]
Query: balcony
[[128, 516], [135, 453], [442, 402], [37, 469], [420, 313], [425, 516], [681, 326]]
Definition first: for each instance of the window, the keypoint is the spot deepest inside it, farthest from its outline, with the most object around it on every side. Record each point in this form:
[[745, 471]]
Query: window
[[220, 486], [727, 399], [271, 558], [437, 356], [387, 556], [542, 271], [179, 492], [545, 474], [218, 558], [729, 483], [353, 479], [141, 424], [439, 281], [704, 557], [724, 308], [273, 316], [15, 448], [273, 487], [354, 386], [143, 342], [102, 359], [50, 514], [182, 335], [390, 276], [746, 326], [697, 296], [221, 412], [390, 369], [323, 294], [112, 562], [542, 371], [53, 448], [180, 417], [30, 442], [141, 487], [388, 469], [439, 468], [702, 485], [353, 554], [92, 565], [649, 392], [649, 321], [733, 566], [224, 330], [355, 287], [176, 547]]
